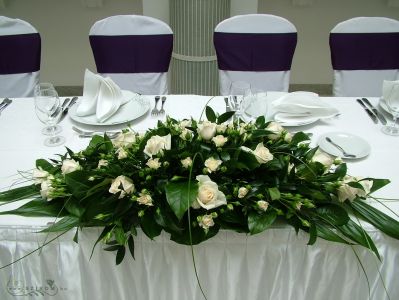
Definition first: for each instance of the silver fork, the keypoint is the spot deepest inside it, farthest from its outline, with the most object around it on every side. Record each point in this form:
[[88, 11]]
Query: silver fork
[[4, 104], [162, 111], [155, 111]]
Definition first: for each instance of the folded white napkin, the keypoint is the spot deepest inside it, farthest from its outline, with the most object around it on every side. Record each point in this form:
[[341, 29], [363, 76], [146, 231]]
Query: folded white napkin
[[390, 89], [101, 96], [301, 106]]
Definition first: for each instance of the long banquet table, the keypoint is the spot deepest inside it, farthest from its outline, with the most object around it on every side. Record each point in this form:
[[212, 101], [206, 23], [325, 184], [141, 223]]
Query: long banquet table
[[276, 264]]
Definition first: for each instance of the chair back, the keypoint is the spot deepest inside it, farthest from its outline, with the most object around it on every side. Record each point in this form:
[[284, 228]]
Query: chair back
[[256, 48], [20, 49], [135, 51], [364, 53]]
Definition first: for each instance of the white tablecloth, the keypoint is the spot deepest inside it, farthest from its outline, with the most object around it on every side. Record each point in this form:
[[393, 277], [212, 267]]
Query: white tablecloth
[[276, 264]]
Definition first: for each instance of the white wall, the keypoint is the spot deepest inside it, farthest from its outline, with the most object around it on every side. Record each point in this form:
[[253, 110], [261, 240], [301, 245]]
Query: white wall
[[312, 56], [64, 28]]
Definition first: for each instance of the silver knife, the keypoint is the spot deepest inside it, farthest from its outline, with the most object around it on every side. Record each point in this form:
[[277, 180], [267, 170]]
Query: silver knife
[[375, 111], [228, 108], [65, 111], [371, 115]]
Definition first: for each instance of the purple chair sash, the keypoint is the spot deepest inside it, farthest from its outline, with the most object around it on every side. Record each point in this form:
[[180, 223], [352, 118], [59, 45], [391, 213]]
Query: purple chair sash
[[20, 53], [255, 51], [364, 51], [132, 53]]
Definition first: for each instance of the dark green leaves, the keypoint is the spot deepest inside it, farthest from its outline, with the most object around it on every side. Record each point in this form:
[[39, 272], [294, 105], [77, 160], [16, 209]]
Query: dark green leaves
[[77, 183], [333, 214], [180, 196], [210, 114], [64, 224], [37, 208], [23, 192], [258, 222]]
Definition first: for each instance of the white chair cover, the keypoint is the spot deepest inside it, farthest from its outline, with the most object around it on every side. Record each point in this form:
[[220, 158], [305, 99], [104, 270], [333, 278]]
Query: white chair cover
[[20, 49], [134, 51], [274, 40], [364, 52]]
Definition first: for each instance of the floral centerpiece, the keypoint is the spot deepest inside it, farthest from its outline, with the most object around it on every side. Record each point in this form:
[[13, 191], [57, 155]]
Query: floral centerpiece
[[193, 178]]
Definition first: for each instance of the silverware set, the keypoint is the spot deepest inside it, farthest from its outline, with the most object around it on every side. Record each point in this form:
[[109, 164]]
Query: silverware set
[[4, 104], [373, 113], [158, 112]]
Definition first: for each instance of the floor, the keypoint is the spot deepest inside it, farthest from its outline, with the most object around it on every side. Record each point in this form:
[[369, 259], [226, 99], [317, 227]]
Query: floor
[[321, 89]]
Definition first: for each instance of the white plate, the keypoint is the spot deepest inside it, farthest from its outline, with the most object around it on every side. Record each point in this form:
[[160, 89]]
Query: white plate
[[352, 144], [384, 105], [136, 107], [290, 121]]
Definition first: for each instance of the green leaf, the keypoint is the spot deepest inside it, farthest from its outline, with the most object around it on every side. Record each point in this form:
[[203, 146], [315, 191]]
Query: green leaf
[[37, 208], [260, 121], [167, 220], [64, 224], [247, 161], [149, 227], [359, 235], [333, 214], [378, 183], [274, 193], [44, 165], [225, 116], [198, 235], [105, 231], [77, 183], [73, 206], [299, 137], [130, 243], [312, 234], [180, 196], [20, 193], [380, 220], [258, 133], [258, 222], [210, 114], [76, 236], [120, 236], [120, 254], [325, 232]]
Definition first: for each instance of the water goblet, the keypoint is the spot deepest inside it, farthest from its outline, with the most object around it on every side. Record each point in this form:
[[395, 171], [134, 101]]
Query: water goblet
[[392, 102], [238, 91], [44, 89], [48, 110]]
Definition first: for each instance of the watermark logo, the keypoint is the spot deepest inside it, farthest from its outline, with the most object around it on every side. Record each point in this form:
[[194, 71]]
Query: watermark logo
[[20, 288]]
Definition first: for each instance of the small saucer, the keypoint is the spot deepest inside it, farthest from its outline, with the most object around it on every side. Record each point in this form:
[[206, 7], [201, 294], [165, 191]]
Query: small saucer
[[352, 144]]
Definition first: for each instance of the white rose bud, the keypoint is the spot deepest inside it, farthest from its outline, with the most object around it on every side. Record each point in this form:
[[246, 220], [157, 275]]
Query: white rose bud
[[187, 162], [219, 140], [126, 139], [145, 199], [156, 144], [208, 196], [121, 184], [288, 137], [185, 123], [212, 164], [122, 153], [277, 130], [325, 159], [262, 205], [153, 163], [262, 154], [206, 130], [69, 166], [242, 192], [102, 163], [221, 128], [39, 175], [186, 134], [206, 221], [46, 188]]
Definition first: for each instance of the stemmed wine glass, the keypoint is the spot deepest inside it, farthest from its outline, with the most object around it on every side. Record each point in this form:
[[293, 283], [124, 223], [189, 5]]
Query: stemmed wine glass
[[41, 90], [48, 110], [238, 91], [393, 105]]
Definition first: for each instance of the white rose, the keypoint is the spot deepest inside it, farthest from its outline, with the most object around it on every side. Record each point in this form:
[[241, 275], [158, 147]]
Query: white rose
[[122, 184], [145, 199], [212, 164], [69, 166], [122, 153], [209, 195], [262, 205], [125, 139], [242, 192], [242, 128], [325, 159], [277, 130], [186, 134], [288, 137], [185, 123], [39, 175], [205, 221], [102, 163], [187, 162], [346, 192], [153, 163], [219, 140], [262, 154], [46, 188], [206, 130], [221, 128], [156, 144]]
